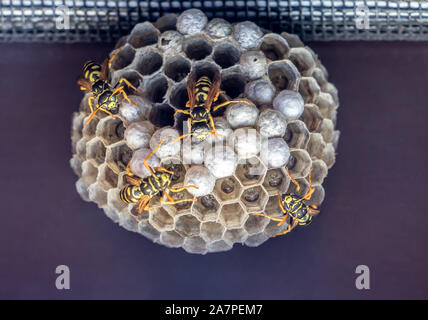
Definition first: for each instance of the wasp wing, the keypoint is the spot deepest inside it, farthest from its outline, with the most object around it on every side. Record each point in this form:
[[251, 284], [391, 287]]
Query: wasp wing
[[213, 91], [133, 180], [142, 204], [191, 84], [86, 84]]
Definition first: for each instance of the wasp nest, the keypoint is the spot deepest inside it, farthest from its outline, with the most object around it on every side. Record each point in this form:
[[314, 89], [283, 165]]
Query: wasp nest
[[290, 123]]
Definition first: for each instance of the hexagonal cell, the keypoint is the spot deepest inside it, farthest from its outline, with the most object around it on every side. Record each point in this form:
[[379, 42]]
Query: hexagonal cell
[[232, 215], [195, 245], [78, 123], [211, 231], [297, 135], [227, 189], [206, 208], [219, 246], [292, 39], [82, 189], [81, 148], [284, 75], [326, 105], [156, 88], [132, 76], [187, 225], [107, 178], [303, 60], [147, 230], [89, 129], [299, 164], [326, 129], [254, 199], [275, 181], [273, 209], [96, 152], [235, 235], [312, 117], [226, 55], [89, 172], [178, 97], [97, 195], [256, 239], [273, 229], [166, 22], [309, 89], [143, 34], [177, 68], [162, 115], [110, 130], [233, 82], [316, 146], [161, 220], [255, 224], [76, 165], [118, 155], [274, 47], [171, 239], [196, 48], [304, 187], [319, 172], [329, 156], [123, 58], [251, 172], [149, 62], [174, 165], [181, 207]]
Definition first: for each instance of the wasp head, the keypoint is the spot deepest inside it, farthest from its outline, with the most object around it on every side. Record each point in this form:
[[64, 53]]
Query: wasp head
[[200, 130], [112, 104]]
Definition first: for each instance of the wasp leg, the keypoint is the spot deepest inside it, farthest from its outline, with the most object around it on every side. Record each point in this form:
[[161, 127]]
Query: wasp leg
[[218, 94], [283, 210], [265, 215], [163, 170], [311, 189], [125, 96], [181, 111], [150, 155], [123, 80], [90, 99], [178, 201], [292, 179], [290, 227], [113, 56], [182, 188], [96, 110], [229, 102], [142, 204], [213, 126]]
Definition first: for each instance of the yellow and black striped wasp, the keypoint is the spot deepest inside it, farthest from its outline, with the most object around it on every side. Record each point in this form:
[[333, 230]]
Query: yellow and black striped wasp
[[202, 94], [290, 204], [140, 191], [95, 80]]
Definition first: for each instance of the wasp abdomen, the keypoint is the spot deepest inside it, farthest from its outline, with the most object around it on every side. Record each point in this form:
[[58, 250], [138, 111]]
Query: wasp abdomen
[[130, 194], [92, 71]]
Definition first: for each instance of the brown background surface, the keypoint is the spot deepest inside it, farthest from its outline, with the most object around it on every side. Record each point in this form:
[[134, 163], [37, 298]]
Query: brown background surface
[[374, 214]]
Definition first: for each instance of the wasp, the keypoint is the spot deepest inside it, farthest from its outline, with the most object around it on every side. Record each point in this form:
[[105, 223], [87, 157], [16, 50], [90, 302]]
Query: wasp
[[140, 191], [290, 204], [202, 94], [95, 79]]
